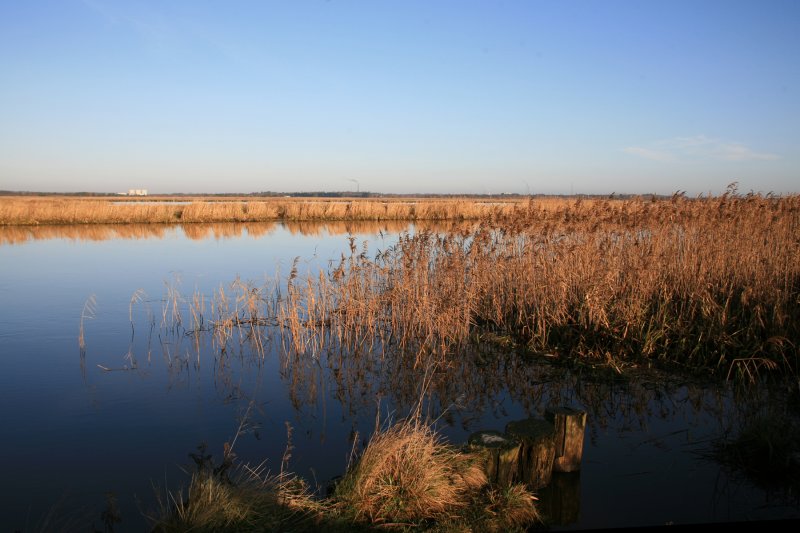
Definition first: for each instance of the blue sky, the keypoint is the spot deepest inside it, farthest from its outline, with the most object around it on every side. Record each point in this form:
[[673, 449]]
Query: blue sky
[[400, 97]]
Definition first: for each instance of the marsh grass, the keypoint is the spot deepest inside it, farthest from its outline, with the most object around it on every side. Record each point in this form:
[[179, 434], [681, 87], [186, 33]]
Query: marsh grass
[[250, 500], [406, 477], [234, 496], [55, 210], [499, 509], [709, 285]]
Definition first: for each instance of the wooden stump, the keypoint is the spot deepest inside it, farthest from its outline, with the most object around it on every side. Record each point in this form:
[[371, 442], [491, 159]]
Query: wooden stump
[[570, 425], [500, 454], [537, 438]]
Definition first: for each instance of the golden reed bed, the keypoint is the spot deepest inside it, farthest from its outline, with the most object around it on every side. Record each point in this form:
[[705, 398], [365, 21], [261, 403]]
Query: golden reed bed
[[708, 284], [16, 210]]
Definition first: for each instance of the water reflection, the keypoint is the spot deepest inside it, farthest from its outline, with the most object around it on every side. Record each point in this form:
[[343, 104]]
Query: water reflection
[[10, 235], [88, 232], [560, 501], [482, 381]]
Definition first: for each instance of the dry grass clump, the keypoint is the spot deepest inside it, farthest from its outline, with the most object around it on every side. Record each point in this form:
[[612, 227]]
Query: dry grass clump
[[406, 475], [507, 509], [237, 497], [251, 503]]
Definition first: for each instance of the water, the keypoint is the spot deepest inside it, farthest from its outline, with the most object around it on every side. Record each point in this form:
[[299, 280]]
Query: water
[[123, 416]]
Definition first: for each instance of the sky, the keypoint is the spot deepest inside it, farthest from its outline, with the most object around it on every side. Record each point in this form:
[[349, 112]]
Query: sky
[[430, 96]]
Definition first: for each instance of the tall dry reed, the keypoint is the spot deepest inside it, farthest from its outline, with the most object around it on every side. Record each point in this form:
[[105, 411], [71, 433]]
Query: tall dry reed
[[710, 283], [707, 283], [60, 210]]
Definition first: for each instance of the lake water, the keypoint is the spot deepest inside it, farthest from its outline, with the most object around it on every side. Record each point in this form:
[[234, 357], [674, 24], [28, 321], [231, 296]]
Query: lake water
[[122, 415]]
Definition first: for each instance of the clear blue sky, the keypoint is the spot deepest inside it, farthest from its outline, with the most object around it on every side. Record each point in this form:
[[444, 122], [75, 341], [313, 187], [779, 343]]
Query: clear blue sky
[[400, 96]]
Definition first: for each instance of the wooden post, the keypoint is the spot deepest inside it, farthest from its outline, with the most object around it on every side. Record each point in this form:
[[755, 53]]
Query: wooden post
[[537, 452], [500, 453], [570, 425]]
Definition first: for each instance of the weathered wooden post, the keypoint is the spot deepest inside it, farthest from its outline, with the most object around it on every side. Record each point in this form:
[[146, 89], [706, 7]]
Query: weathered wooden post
[[537, 438], [570, 425], [500, 453]]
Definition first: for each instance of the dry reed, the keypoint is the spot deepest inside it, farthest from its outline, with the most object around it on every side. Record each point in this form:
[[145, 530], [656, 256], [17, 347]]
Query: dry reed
[[59, 210], [709, 283]]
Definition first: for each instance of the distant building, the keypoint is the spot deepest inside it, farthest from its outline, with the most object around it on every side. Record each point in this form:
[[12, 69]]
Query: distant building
[[137, 192]]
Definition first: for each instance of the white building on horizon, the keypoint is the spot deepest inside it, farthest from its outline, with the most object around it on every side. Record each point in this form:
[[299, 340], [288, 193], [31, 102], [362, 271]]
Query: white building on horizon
[[137, 192]]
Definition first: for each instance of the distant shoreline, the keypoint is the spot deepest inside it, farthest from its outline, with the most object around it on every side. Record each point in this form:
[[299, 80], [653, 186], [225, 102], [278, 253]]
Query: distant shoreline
[[182, 209], [48, 210], [322, 195]]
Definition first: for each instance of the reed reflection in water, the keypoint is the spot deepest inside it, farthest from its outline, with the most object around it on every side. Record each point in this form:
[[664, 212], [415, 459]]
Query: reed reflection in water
[[10, 235]]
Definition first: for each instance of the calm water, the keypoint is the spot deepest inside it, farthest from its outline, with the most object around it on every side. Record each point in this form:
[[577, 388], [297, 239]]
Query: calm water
[[74, 431]]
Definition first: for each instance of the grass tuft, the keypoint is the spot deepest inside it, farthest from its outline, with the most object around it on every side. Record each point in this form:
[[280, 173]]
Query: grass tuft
[[406, 475], [508, 509], [250, 501]]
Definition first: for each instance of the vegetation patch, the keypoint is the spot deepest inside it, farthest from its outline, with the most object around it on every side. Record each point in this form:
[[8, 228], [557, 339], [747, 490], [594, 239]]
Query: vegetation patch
[[237, 497], [35, 210], [710, 284], [405, 478], [405, 475]]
